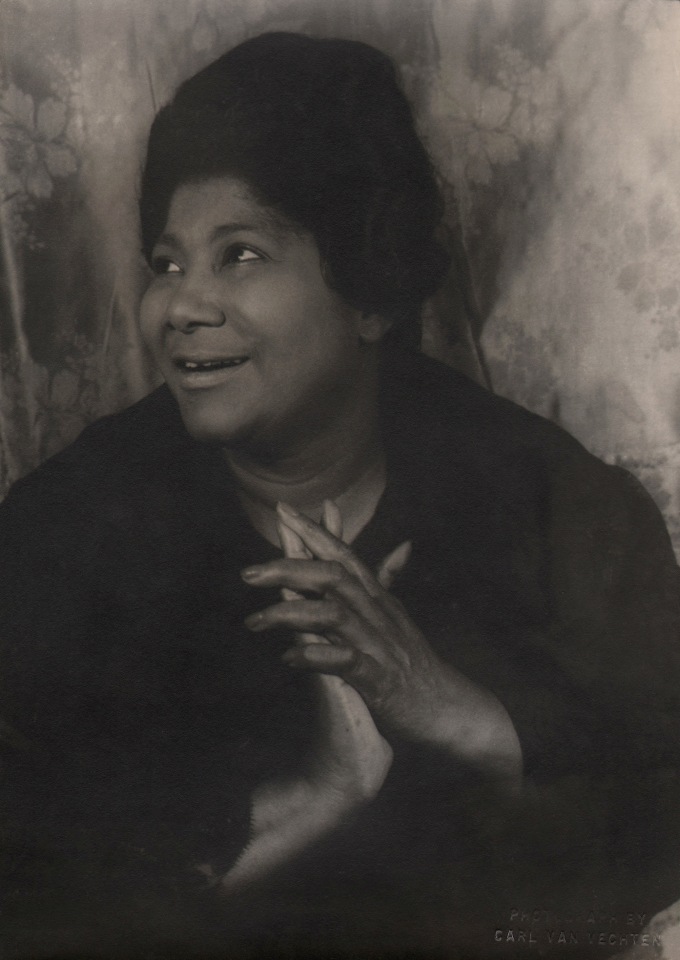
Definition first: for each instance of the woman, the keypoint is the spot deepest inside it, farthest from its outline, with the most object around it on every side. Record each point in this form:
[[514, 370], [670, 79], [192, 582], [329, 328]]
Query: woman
[[320, 647]]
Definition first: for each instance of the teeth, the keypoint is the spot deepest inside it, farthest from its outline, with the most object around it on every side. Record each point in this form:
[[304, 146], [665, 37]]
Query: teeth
[[192, 365]]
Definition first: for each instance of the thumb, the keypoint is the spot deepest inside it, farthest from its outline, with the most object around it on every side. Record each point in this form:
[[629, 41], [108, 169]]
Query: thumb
[[393, 564]]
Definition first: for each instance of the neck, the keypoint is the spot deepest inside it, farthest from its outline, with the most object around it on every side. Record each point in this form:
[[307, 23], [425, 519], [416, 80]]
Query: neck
[[343, 462]]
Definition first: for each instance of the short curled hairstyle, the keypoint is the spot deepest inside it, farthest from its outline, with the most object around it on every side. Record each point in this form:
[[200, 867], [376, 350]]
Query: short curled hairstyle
[[321, 132]]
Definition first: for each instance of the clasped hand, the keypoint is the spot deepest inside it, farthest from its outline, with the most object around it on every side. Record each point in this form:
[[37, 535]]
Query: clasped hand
[[372, 643], [376, 674]]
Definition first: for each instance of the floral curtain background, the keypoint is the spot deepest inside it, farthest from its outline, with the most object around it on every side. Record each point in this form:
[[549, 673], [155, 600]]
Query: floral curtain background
[[556, 125]]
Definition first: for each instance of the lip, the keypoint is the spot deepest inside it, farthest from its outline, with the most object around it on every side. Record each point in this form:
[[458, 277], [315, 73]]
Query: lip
[[197, 379]]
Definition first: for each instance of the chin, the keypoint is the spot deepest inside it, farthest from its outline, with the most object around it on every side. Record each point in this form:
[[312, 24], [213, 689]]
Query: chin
[[208, 427]]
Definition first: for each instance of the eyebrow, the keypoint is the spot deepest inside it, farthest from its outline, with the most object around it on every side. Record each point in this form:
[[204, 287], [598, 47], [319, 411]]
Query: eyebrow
[[219, 233]]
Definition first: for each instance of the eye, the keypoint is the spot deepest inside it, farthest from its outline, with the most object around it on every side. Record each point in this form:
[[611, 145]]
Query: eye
[[164, 265], [238, 253]]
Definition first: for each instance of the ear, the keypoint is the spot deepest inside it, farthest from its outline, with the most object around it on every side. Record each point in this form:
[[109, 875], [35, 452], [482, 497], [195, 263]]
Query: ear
[[372, 327]]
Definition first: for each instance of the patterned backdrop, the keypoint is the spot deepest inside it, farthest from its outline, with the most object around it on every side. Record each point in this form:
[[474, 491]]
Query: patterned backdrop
[[556, 126]]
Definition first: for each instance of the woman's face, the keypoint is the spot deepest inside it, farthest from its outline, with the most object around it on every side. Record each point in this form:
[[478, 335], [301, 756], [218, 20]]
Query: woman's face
[[252, 342]]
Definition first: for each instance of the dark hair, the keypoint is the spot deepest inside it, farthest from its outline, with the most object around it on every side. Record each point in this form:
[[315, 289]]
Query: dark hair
[[321, 132]]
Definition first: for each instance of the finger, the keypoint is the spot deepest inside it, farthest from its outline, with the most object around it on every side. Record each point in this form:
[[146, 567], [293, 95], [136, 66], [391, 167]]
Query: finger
[[326, 617], [319, 622], [291, 544], [332, 518], [335, 660], [292, 547], [393, 564], [327, 547], [360, 670], [328, 579]]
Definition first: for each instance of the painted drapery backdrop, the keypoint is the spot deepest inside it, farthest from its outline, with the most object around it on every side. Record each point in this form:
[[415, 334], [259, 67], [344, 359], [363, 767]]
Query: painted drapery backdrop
[[555, 125]]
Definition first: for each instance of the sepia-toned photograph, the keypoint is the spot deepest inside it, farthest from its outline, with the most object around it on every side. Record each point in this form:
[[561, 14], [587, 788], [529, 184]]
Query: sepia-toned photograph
[[339, 479]]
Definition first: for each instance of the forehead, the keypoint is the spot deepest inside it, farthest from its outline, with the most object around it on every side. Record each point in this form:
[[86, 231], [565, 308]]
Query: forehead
[[219, 203]]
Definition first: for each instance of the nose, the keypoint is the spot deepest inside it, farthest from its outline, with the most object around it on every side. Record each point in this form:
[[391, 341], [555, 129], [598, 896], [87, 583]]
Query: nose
[[192, 307]]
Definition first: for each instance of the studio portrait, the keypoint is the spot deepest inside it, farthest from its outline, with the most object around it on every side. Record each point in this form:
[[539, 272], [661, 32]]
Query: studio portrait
[[339, 479]]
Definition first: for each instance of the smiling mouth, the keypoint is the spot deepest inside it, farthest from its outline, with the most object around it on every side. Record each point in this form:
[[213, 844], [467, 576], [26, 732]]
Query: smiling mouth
[[209, 366]]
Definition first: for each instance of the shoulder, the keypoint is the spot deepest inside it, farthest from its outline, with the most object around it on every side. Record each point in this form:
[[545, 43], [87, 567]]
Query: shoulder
[[106, 460], [523, 492], [441, 417], [94, 529], [122, 488], [441, 400]]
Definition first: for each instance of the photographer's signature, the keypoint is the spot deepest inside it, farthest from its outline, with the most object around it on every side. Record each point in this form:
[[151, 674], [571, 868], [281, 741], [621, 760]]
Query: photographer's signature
[[540, 927]]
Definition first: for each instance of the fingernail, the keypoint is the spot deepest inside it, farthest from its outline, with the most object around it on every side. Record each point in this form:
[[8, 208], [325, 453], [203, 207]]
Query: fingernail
[[251, 573], [254, 622], [287, 509]]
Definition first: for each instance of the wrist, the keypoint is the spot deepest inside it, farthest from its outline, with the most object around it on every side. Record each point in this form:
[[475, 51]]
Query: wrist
[[469, 724], [344, 790], [288, 818]]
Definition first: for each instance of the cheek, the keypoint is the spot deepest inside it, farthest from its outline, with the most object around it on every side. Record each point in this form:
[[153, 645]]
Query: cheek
[[312, 327], [151, 312]]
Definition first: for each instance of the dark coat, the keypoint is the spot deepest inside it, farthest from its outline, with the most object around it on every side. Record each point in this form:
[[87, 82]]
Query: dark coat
[[140, 715]]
